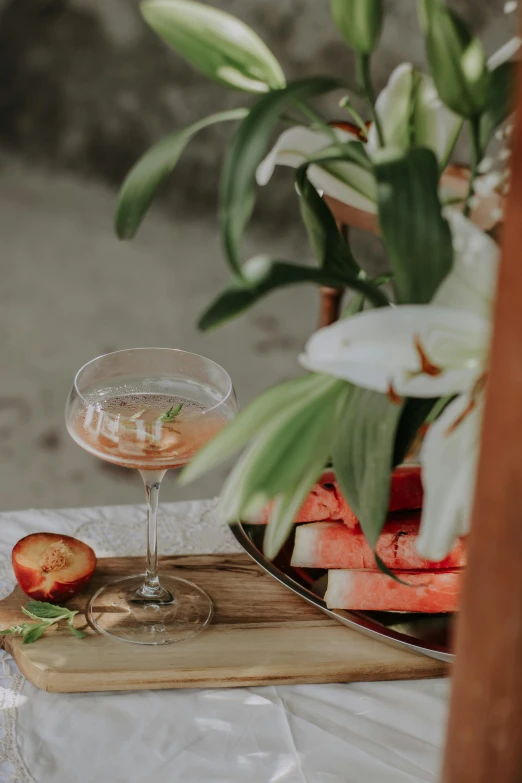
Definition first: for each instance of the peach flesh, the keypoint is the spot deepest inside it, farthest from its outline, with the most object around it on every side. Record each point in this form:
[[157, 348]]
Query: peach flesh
[[52, 567]]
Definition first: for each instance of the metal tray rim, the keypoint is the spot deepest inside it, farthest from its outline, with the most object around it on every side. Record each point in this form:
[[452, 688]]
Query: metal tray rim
[[354, 620]]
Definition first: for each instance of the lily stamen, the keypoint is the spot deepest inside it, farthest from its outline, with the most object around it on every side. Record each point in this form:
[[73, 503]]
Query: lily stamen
[[478, 387], [393, 396], [458, 421], [427, 367]]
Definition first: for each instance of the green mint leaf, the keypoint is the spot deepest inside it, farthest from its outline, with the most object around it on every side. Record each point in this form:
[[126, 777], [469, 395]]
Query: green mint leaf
[[34, 616], [136, 415], [19, 630], [47, 614], [171, 414], [79, 634], [46, 611], [34, 633]]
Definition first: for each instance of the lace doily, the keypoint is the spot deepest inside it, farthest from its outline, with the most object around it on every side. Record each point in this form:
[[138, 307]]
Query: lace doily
[[183, 528]]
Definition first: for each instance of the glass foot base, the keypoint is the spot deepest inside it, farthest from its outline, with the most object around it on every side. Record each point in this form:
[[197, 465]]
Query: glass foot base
[[115, 611]]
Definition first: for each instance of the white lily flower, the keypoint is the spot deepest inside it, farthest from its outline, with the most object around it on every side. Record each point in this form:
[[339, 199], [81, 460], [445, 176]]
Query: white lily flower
[[420, 350], [449, 457], [411, 112], [344, 181], [411, 350], [438, 349], [429, 121]]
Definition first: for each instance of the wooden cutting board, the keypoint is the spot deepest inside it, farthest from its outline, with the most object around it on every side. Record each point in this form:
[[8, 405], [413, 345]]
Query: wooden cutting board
[[262, 634]]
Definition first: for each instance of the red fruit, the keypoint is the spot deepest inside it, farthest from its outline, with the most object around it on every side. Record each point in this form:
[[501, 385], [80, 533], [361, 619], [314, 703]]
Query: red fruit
[[334, 545], [372, 591], [52, 567], [406, 488], [326, 502]]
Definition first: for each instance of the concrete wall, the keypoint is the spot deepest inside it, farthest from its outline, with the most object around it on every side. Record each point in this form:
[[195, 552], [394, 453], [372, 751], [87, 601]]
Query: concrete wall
[[86, 86]]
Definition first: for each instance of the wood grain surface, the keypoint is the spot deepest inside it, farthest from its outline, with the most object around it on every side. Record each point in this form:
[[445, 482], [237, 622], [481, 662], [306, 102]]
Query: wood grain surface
[[261, 634], [484, 741]]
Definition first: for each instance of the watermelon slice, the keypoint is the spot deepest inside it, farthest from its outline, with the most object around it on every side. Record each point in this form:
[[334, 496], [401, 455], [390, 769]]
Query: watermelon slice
[[373, 591], [406, 493], [333, 545], [322, 502], [406, 488], [325, 501]]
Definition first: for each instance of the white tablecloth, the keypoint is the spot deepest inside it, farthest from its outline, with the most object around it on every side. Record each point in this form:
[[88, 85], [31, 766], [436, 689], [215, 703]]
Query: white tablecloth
[[358, 733]]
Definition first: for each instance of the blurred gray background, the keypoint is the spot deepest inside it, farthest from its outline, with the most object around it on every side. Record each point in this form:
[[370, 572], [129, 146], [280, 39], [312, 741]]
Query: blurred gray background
[[85, 88]]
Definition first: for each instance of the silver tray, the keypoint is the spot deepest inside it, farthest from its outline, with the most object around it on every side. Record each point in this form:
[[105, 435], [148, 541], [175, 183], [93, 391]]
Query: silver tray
[[427, 634]]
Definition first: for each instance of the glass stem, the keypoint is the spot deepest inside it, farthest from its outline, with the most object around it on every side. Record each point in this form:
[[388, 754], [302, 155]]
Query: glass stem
[[151, 586]]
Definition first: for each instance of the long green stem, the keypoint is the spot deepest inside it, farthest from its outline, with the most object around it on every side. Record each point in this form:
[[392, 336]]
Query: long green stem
[[345, 103], [451, 146], [476, 156], [289, 119], [365, 80], [313, 115]]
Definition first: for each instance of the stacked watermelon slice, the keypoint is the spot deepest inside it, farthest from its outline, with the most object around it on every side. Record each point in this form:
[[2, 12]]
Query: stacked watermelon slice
[[331, 538]]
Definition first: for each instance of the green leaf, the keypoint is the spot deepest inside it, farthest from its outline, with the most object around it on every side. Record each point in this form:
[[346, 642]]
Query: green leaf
[[48, 614], [286, 456], [288, 503], [153, 169], [331, 249], [35, 633], [363, 457], [288, 445], [246, 151], [171, 414], [414, 414], [75, 631], [423, 12], [31, 615], [46, 611], [360, 22], [308, 456], [457, 60], [354, 306], [264, 274], [249, 422], [500, 101], [278, 455], [216, 43], [381, 565], [415, 235]]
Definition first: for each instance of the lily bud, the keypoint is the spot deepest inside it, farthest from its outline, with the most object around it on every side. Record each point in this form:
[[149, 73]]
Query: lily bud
[[359, 22]]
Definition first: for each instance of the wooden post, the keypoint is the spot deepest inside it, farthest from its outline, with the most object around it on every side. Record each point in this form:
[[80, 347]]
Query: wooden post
[[330, 305], [484, 742], [331, 298]]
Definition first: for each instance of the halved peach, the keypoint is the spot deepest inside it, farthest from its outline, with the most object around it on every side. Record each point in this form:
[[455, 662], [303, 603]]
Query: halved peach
[[52, 567]]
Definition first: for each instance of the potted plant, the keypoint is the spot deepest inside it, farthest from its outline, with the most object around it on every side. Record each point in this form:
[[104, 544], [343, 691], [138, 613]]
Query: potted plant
[[391, 363]]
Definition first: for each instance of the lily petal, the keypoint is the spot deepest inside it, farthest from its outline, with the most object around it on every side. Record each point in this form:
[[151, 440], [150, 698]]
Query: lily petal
[[472, 282], [412, 113], [434, 125], [393, 107], [505, 53], [294, 146], [345, 182], [416, 350], [449, 459]]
